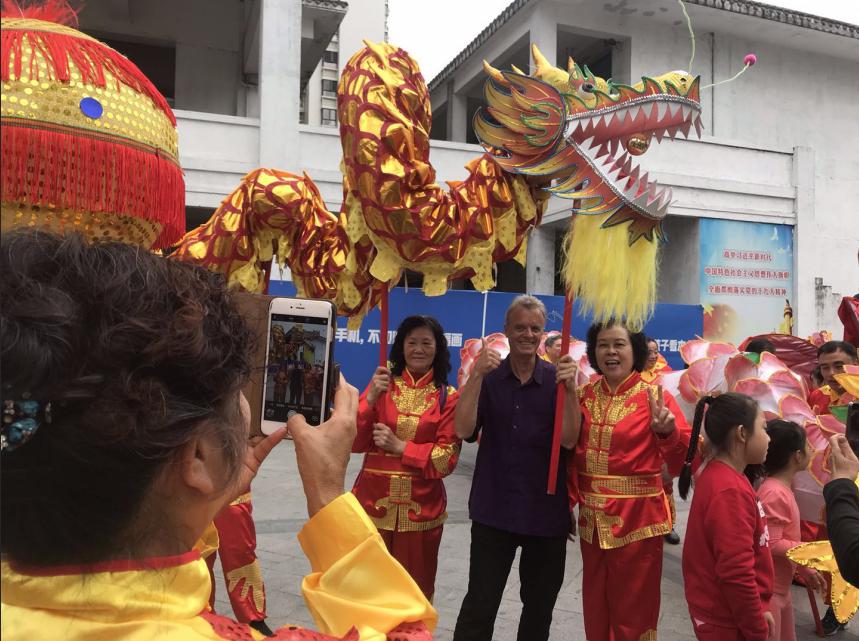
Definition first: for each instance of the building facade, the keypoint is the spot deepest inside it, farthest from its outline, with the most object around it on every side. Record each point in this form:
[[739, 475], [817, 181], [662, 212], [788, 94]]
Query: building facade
[[252, 82], [771, 152]]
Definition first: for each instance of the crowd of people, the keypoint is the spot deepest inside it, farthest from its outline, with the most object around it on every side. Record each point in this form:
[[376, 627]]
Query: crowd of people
[[126, 443]]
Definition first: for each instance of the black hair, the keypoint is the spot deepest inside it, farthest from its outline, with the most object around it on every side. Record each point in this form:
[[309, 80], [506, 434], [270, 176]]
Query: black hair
[[724, 413], [786, 439], [816, 376], [551, 340], [648, 340], [637, 339], [441, 362], [137, 354], [760, 345], [830, 347]]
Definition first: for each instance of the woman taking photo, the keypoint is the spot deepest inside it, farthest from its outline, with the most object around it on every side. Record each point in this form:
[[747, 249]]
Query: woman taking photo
[[125, 433], [406, 427]]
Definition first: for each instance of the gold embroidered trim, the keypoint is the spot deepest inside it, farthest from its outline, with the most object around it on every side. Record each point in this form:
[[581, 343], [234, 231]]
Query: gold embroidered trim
[[441, 455], [602, 523], [411, 404], [650, 635], [606, 410], [244, 498], [253, 581], [616, 487], [397, 506]]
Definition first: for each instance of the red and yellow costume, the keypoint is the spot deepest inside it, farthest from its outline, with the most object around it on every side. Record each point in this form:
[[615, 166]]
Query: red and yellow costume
[[404, 495], [237, 542], [354, 588], [661, 367], [623, 510]]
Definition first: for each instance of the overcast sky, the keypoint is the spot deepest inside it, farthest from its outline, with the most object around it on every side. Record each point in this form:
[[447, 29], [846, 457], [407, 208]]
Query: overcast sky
[[435, 32]]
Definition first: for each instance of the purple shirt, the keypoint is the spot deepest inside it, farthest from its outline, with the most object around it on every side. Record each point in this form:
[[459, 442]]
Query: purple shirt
[[508, 490]]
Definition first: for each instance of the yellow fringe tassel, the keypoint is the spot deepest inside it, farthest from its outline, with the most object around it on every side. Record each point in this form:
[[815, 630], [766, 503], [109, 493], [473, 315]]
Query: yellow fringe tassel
[[611, 278]]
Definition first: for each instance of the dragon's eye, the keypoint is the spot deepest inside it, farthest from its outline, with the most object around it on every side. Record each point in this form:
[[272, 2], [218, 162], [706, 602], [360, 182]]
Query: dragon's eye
[[91, 108], [587, 87]]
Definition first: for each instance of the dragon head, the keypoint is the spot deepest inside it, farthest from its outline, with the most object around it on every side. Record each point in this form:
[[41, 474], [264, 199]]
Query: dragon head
[[585, 132]]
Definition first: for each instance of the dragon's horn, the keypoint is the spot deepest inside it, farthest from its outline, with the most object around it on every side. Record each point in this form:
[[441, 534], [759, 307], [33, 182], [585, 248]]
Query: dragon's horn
[[570, 64], [540, 61], [518, 70], [493, 73]]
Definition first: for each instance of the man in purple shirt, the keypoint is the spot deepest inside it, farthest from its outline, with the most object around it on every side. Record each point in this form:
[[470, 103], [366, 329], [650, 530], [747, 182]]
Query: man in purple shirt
[[513, 403]]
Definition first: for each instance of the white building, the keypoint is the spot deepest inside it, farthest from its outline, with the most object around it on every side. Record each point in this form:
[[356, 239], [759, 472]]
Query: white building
[[781, 143], [234, 72]]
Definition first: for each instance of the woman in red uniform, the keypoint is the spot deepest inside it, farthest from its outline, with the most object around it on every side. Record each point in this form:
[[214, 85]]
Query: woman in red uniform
[[628, 429], [405, 425]]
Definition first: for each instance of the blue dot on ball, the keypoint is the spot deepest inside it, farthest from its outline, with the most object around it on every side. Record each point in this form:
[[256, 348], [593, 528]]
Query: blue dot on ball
[[91, 108]]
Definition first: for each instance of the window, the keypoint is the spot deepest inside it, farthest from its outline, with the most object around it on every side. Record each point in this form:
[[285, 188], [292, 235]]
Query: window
[[330, 57], [329, 87], [329, 117], [157, 62]]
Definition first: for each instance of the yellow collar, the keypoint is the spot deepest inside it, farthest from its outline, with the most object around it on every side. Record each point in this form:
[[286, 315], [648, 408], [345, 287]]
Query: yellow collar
[[175, 587]]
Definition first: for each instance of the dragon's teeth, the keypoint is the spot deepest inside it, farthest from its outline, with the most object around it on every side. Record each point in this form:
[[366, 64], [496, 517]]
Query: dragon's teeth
[[673, 108], [633, 112], [661, 108], [685, 110], [685, 127], [698, 126]]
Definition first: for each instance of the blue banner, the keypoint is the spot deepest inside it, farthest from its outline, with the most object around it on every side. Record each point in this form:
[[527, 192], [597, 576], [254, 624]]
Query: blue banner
[[469, 314]]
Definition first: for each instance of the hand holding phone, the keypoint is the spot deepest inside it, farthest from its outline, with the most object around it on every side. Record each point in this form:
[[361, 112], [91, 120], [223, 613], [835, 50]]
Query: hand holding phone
[[299, 361], [323, 453]]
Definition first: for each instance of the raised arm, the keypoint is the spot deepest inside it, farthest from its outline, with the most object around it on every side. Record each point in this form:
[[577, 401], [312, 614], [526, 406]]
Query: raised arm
[[572, 424], [466, 410]]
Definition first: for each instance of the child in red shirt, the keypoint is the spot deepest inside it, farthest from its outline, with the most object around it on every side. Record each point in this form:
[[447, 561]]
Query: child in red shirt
[[727, 567]]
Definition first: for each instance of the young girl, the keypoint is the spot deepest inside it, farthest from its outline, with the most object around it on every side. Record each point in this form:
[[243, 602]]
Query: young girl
[[727, 567], [786, 455]]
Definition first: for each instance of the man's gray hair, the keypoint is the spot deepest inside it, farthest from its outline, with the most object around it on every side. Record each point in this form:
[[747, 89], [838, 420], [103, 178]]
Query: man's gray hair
[[525, 301]]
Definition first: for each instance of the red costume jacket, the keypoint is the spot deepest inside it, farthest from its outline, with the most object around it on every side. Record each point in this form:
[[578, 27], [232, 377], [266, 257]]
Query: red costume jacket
[[727, 566], [405, 493], [619, 460]]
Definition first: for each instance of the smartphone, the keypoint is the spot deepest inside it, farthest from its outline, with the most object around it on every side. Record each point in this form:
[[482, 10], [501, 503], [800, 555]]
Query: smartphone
[[299, 365]]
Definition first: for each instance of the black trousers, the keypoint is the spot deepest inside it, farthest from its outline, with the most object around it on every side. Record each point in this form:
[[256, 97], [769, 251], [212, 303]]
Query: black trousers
[[541, 573]]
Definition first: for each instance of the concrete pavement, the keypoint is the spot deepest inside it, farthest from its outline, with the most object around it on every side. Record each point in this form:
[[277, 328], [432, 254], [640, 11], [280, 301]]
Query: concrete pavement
[[280, 511]]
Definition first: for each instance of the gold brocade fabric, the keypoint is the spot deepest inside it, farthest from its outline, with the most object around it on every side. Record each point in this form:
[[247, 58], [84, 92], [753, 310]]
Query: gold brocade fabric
[[37, 97], [819, 556], [394, 215], [251, 579], [93, 225]]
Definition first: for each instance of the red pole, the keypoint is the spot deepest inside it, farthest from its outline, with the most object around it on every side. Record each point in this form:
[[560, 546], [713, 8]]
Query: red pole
[[818, 625], [266, 270], [559, 401], [383, 327]]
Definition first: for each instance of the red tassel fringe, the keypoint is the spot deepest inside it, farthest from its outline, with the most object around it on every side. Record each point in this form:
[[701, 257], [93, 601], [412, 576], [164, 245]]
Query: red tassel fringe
[[92, 59], [51, 168], [59, 11]]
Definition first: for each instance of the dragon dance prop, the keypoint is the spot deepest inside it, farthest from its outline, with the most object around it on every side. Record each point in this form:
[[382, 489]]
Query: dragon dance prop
[[818, 554], [582, 133], [394, 215], [89, 144]]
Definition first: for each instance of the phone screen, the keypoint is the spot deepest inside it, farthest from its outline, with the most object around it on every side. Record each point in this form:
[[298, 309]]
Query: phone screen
[[295, 367]]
